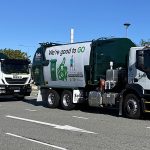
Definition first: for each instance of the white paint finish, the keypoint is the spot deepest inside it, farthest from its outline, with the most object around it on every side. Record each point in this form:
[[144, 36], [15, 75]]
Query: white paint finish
[[35, 141], [39, 96], [72, 35], [31, 110], [67, 55], [133, 72], [62, 127], [80, 117], [77, 94]]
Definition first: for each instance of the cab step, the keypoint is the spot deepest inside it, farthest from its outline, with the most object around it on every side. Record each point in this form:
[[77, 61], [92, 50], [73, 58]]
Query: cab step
[[147, 102], [147, 111]]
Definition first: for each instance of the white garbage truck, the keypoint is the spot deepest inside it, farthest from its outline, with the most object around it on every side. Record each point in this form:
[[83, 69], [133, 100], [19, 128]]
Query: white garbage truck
[[15, 77], [110, 73]]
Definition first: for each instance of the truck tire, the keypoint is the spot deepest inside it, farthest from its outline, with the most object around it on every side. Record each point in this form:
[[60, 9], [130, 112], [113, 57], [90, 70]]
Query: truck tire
[[67, 100], [131, 107], [53, 99]]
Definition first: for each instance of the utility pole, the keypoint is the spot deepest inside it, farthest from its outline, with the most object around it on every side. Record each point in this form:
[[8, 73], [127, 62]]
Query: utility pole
[[72, 35]]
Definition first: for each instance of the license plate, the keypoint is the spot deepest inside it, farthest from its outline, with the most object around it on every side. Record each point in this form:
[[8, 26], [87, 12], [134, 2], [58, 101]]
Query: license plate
[[16, 91]]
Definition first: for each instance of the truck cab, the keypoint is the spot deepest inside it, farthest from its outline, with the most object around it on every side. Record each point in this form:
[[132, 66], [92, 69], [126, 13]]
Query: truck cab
[[127, 88], [139, 79], [15, 78]]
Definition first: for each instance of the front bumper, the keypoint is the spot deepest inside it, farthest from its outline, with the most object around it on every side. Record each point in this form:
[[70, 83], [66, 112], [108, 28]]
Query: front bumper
[[14, 90]]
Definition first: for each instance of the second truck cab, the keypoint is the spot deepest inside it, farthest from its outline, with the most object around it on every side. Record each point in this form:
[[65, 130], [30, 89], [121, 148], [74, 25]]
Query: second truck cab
[[15, 77]]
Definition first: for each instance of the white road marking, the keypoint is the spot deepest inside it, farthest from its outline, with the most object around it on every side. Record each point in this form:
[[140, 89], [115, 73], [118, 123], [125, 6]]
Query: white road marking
[[28, 139], [148, 127], [62, 127], [80, 117], [30, 110]]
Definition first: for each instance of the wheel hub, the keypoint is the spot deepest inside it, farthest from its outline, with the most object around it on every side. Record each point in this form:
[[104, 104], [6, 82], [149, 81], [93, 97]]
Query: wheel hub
[[51, 98], [66, 100], [132, 106]]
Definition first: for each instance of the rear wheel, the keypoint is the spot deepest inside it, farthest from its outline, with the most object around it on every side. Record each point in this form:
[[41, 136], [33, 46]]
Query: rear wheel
[[67, 100], [52, 99], [132, 107]]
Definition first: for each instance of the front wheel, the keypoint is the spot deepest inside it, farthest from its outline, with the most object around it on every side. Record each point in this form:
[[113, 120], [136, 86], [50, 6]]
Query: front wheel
[[132, 107], [67, 100]]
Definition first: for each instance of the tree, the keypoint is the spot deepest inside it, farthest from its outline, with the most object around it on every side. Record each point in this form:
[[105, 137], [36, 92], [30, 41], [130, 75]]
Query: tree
[[14, 54], [144, 42]]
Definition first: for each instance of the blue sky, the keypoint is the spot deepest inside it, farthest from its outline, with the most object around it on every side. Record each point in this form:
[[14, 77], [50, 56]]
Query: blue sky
[[25, 23]]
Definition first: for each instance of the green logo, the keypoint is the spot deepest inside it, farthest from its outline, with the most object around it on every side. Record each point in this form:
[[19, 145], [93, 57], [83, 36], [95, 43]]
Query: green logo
[[81, 49]]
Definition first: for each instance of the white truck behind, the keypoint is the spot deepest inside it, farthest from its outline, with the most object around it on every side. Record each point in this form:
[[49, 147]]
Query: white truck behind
[[15, 77]]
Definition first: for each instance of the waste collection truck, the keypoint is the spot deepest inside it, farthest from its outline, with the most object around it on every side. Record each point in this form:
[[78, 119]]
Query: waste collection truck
[[15, 77], [110, 73]]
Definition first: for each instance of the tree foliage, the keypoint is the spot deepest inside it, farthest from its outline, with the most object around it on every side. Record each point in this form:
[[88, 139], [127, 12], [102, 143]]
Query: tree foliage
[[145, 43], [14, 54]]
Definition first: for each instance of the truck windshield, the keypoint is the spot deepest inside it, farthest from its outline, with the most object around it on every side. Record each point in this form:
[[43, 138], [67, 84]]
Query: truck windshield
[[143, 60], [13, 66]]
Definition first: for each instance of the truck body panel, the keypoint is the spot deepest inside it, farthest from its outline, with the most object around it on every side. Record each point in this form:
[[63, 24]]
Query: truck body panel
[[76, 65], [66, 65]]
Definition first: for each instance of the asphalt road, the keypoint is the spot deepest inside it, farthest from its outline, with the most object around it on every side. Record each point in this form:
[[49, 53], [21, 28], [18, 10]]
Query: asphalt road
[[26, 125]]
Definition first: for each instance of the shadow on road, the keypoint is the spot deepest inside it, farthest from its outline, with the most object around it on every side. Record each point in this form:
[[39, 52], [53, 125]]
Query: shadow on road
[[8, 100], [96, 110], [146, 117], [106, 111], [32, 101], [81, 107], [85, 108]]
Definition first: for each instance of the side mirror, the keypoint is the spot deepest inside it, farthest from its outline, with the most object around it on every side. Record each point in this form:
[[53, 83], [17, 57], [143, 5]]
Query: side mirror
[[45, 63]]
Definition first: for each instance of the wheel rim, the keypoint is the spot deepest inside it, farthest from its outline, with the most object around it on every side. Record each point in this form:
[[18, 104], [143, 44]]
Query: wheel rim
[[51, 98], [132, 106], [66, 100]]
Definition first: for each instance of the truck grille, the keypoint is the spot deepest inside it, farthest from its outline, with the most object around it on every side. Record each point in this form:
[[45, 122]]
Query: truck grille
[[16, 81]]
